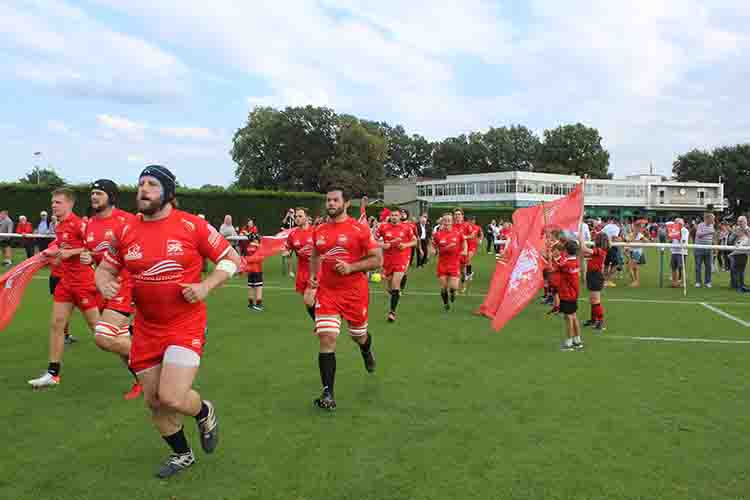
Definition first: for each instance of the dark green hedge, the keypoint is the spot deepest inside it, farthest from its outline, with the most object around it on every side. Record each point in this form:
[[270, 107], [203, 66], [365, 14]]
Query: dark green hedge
[[266, 207]]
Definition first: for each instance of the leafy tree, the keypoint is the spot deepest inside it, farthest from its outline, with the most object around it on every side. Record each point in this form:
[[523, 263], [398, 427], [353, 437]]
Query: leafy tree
[[574, 150], [46, 176], [511, 149], [357, 163]]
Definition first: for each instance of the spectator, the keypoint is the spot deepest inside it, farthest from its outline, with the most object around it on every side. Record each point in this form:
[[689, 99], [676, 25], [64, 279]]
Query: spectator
[[6, 226], [612, 262], [637, 256], [489, 234], [705, 234], [724, 231], [424, 233], [43, 229], [249, 229], [25, 228], [739, 257], [678, 235], [288, 221], [53, 224], [228, 231]]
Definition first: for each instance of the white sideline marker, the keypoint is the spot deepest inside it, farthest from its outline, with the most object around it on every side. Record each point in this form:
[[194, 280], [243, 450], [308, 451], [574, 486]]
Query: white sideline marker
[[678, 339], [725, 314]]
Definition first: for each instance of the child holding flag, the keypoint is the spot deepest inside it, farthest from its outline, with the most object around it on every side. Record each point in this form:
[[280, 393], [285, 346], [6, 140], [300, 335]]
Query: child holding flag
[[569, 277]]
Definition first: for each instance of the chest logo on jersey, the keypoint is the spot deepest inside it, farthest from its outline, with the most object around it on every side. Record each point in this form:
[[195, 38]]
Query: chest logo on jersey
[[165, 270], [65, 236], [342, 239], [174, 247], [90, 237], [134, 252]]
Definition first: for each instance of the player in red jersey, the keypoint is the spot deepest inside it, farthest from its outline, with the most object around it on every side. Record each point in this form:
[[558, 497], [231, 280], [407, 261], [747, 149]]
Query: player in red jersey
[[568, 268], [300, 241], [404, 215], [397, 239], [595, 278], [112, 329], [461, 226], [450, 245], [163, 250], [55, 275], [76, 287], [474, 237], [344, 251]]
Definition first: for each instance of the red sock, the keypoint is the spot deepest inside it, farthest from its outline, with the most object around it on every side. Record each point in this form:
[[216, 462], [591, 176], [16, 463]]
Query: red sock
[[597, 312]]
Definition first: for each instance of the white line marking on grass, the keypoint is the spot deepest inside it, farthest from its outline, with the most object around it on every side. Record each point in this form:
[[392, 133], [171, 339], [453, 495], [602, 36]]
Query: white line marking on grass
[[725, 314], [678, 339]]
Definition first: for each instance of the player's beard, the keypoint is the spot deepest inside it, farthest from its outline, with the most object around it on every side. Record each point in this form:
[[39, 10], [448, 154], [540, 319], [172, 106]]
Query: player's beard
[[99, 209], [148, 207], [334, 213]]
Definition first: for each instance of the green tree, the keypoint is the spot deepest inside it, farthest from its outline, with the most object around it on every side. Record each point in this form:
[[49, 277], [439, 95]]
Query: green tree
[[575, 150], [730, 163], [284, 149], [357, 163], [511, 149], [46, 176]]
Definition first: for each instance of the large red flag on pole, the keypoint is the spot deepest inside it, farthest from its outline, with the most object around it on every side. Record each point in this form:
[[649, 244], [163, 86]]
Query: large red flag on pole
[[518, 277], [13, 284]]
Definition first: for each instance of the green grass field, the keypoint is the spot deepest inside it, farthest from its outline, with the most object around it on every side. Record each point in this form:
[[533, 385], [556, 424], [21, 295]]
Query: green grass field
[[454, 410]]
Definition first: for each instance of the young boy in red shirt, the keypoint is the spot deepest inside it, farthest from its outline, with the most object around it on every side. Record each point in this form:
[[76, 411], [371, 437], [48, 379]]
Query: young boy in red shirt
[[569, 276]]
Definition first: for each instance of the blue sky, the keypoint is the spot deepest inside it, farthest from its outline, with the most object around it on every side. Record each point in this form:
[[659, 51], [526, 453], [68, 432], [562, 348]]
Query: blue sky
[[103, 87]]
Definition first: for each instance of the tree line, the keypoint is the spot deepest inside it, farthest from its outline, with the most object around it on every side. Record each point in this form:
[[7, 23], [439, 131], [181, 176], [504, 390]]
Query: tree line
[[307, 148], [731, 164]]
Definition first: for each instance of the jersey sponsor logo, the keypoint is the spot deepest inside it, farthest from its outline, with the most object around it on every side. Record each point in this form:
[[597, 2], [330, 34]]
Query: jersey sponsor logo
[[196, 343], [133, 252], [342, 239], [90, 237], [174, 247], [65, 236], [109, 234], [103, 246], [165, 270]]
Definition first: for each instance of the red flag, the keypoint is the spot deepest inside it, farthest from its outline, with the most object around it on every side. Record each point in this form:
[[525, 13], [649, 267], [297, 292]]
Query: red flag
[[518, 277], [269, 246], [527, 226], [13, 284], [565, 213]]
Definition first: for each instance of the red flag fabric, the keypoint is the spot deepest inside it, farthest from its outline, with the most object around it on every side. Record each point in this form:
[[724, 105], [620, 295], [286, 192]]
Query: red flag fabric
[[13, 284], [518, 277], [269, 246]]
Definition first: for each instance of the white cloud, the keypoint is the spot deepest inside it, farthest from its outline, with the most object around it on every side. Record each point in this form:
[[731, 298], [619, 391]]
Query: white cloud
[[196, 133], [134, 158], [123, 126], [60, 47]]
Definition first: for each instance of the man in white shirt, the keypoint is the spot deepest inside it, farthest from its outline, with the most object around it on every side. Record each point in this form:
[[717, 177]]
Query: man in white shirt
[[612, 230], [678, 235]]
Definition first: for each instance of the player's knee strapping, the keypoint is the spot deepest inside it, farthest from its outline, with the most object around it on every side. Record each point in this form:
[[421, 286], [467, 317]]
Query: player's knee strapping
[[107, 329], [358, 330], [327, 325]]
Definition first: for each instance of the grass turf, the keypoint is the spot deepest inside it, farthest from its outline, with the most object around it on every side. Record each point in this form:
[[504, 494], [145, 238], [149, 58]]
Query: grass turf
[[453, 411]]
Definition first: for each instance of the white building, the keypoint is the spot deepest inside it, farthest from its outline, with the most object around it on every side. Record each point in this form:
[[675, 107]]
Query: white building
[[634, 196]]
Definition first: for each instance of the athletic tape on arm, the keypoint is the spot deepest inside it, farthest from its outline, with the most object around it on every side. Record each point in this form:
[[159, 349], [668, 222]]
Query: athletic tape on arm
[[227, 266]]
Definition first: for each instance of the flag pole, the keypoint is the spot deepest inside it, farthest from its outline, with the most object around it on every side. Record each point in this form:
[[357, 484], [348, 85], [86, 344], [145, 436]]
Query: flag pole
[[581, 260]]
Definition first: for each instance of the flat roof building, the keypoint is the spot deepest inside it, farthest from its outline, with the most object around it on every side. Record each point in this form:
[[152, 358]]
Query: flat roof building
[[633, 196]]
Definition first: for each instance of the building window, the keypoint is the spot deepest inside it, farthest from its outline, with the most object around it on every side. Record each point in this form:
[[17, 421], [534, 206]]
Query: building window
[[510, 186], [429, 189], [471, 188], [440, 190]]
